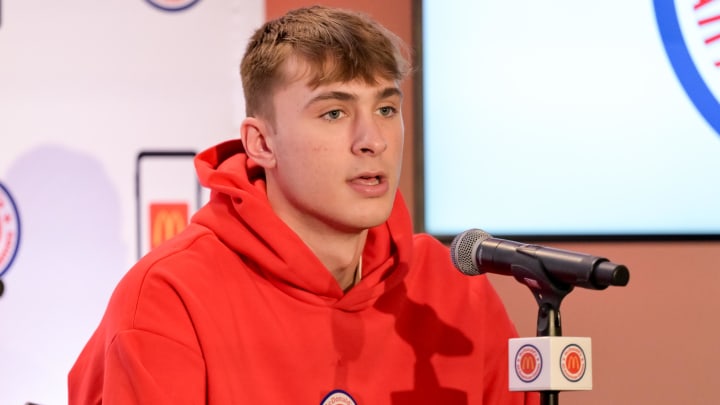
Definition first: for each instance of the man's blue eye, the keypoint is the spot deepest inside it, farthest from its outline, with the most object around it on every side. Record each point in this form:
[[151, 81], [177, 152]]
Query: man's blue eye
[[387, 111], [334, 114]]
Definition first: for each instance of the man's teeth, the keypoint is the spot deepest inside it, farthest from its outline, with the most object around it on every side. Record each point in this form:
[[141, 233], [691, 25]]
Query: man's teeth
[[371, 181]]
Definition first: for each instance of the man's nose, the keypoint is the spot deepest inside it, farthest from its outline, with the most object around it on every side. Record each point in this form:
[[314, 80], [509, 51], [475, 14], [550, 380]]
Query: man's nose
[[369, 137]]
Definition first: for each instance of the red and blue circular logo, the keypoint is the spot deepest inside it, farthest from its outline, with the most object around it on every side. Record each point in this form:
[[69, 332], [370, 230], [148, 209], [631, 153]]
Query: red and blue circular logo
[[9, 230], [572, 363], [338, 397], [173, 5], [528, 363], [690, 32]]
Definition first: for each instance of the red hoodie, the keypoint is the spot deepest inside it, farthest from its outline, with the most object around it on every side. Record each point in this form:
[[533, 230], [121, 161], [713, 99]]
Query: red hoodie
[[238, 310]]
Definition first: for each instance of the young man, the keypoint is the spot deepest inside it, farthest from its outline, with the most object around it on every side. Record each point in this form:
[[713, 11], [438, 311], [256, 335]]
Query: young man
[[301, 281]]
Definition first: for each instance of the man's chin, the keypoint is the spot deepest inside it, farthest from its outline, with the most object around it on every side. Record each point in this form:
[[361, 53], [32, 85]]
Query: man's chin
[[371, 221]]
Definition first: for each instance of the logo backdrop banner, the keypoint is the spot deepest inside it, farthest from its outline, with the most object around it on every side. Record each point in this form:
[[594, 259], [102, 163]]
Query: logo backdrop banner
[[87, 88]]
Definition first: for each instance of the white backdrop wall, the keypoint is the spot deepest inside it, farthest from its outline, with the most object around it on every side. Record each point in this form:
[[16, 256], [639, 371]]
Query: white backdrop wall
[[85, 86]]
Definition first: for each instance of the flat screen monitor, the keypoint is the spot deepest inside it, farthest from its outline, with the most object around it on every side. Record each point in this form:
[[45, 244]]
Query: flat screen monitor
[[571, 120]]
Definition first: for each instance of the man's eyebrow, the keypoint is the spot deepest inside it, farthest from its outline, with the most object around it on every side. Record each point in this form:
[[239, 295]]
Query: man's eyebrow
[[331, 95], [345, 96], [390, 92]]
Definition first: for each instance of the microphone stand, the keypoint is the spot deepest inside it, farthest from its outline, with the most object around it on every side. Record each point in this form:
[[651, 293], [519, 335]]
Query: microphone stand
[[548, 294], [549, 325]]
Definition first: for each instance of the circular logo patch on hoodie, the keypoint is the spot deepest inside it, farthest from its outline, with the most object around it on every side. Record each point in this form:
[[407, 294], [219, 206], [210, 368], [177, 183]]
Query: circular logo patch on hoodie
[[9, 230], [338, 397]]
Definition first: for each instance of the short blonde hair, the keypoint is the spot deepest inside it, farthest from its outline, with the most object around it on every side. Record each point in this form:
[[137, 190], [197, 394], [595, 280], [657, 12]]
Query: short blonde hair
[[338, 45]]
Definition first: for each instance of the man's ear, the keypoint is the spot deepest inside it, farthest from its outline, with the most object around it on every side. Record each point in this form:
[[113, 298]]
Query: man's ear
[[256, 139]]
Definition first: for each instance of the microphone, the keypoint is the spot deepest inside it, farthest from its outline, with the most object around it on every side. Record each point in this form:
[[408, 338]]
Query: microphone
[[475, 252]]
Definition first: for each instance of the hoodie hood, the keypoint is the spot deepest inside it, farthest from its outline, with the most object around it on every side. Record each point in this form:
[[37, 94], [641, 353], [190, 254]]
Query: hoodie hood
[[240, 215]]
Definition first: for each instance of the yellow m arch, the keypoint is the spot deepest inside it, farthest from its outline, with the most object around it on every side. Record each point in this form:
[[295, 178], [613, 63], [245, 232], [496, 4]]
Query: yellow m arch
[[166, 221]]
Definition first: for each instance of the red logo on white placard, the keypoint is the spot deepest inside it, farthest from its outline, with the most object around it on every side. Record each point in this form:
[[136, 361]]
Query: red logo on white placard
[[528, 363], [572, 363]]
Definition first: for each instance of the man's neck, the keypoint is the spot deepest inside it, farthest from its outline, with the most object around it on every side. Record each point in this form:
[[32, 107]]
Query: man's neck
[[341, 255]]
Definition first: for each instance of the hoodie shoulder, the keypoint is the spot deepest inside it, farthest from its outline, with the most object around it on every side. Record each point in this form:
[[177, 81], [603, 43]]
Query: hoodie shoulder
[[171, 262]]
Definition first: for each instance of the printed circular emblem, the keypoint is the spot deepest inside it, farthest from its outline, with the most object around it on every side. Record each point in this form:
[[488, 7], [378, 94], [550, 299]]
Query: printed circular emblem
[[528, 363], [690, 32], [572, 363], [338, 397], [173, 5], [9, 230]]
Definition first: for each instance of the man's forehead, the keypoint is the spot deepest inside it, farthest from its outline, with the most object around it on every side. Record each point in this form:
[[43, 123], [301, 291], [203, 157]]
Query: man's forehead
[[296, 70]]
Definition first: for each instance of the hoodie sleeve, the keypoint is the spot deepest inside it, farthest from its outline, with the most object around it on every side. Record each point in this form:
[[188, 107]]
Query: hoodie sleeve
[[145, 368], [145, 349], [138, 367]]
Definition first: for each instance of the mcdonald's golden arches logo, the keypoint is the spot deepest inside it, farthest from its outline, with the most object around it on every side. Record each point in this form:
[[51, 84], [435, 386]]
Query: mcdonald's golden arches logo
[[572, 363], [166, 221], [528, 363]]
